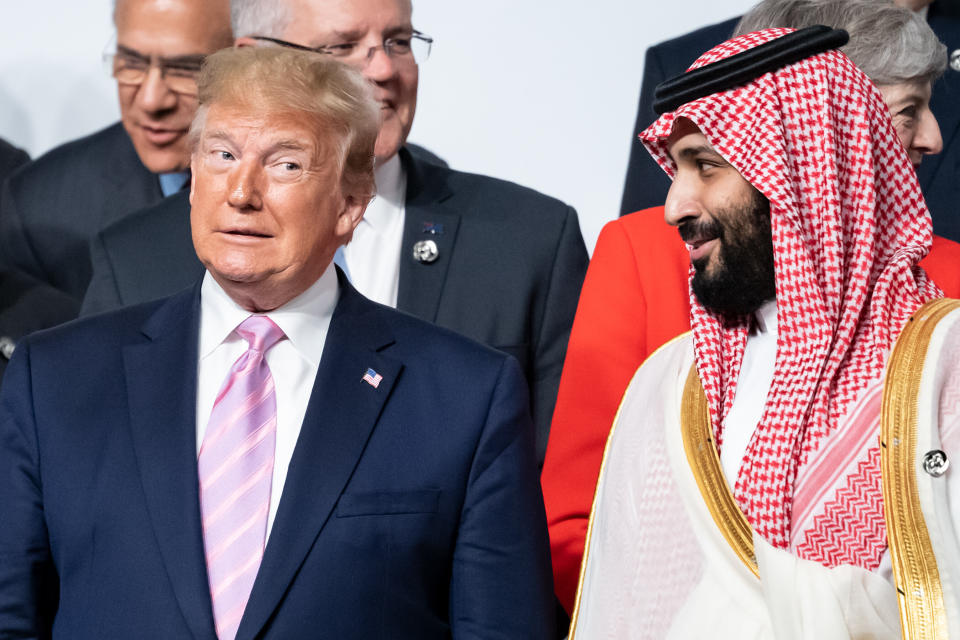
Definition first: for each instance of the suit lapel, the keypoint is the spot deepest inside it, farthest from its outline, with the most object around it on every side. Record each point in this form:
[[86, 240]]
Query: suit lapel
[[133, 186], [426, 219], [340, 417], [161, 378]]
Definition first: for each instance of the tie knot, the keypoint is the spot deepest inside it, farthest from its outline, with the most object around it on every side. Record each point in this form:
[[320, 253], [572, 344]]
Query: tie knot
[[260, 332]]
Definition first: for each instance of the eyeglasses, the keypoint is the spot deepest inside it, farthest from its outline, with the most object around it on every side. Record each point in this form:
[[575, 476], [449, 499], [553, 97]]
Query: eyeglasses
[[130, 67], [413, 48]]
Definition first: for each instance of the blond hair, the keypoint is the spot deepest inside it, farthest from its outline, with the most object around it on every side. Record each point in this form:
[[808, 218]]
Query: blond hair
[[331, 95]]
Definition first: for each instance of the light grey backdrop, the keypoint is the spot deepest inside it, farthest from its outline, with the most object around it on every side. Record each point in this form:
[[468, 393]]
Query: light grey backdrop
[[542, 93]]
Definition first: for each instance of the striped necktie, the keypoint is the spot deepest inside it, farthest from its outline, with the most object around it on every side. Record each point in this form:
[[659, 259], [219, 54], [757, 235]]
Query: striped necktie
[[235, 469]]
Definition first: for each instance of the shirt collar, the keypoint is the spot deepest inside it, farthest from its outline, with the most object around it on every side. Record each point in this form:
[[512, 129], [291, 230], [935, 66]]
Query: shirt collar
[[391, 189], [298, 319], [170, 183], [766, 317]]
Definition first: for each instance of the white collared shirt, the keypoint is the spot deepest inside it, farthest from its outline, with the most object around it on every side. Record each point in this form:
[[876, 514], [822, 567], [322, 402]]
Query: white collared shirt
[[756, 375], [293, 362], [373, 256]]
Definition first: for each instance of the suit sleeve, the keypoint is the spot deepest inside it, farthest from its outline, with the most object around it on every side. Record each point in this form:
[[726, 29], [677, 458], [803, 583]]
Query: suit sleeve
[[566, 278], [500, 586], [102, 294], [28, 579], [646, 184]]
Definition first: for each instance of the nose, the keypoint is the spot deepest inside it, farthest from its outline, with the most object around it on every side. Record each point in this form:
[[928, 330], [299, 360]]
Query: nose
[[682, 201], [245, 194], [154, 94], [928, 140], [379, 66]]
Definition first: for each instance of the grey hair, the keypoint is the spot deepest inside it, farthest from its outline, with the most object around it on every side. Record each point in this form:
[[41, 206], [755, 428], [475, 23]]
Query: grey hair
[[891, 45], [259, 18]]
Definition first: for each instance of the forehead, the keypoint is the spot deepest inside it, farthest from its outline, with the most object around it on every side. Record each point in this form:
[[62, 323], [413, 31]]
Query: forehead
[[171, 27], [912, 92], [686, 139], [262, 126], [314, 20]]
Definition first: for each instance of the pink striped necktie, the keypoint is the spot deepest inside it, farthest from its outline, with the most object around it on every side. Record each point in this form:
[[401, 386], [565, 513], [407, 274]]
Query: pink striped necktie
[[235, 468]]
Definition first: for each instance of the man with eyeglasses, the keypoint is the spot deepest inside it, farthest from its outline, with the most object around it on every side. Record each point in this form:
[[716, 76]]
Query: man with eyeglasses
[[52, 208], [489, 259]]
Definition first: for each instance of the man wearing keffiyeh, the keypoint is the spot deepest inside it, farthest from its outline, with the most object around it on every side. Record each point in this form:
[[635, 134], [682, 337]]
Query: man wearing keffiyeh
[[783, 470]]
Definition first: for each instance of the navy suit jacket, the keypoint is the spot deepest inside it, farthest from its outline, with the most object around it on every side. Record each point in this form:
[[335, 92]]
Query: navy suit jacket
[[646, 184], [52, 207], [510, 265], [410, 510]]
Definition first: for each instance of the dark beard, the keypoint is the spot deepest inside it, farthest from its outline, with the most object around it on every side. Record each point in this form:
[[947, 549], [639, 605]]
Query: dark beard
[[743, 277]]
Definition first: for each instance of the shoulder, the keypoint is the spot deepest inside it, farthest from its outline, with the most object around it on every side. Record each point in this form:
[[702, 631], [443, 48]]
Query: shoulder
[[90, 343], [11, 157], [75, 158], [698, 41], [475, 194]]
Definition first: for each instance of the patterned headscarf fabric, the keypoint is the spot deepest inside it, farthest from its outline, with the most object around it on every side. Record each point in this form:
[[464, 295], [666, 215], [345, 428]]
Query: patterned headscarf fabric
[[849, 225]]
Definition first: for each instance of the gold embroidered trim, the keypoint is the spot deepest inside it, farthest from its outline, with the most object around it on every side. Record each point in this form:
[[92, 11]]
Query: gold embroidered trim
[[922, 611], [596, 490], [704, 460]]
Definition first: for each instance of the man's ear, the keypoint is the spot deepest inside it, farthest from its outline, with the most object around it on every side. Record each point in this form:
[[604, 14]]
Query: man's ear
[[350, 215], [246, 41]]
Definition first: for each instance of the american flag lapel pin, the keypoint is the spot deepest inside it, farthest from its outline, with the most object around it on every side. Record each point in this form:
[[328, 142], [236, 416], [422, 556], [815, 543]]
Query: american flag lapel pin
[[372, 378]]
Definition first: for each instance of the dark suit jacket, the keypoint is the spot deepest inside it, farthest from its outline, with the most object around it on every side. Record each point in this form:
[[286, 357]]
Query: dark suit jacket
[[646, 183], [510, 265], [27, 306], [11, 157], [940, 174], [51, 208], [411, 510]]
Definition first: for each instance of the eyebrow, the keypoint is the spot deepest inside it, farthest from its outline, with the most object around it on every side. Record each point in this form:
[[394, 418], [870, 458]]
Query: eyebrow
[[357, 34], [688, 153], [189, 59]]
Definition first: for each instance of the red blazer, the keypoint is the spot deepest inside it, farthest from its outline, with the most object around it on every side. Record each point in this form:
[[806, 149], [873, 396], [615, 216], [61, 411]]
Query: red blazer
[[634, 299]]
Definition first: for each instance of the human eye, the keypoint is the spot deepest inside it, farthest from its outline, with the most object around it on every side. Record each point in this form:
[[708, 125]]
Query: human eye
[[399, 44], [183, 69], [341, 50], [221, 154]]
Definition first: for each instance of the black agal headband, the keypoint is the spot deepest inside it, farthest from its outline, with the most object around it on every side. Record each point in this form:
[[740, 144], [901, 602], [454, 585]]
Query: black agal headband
[[745, 66]]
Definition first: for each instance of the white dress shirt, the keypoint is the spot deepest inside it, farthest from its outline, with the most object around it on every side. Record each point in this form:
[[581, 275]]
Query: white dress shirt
[[756, 376], [373, 256], [293, 361]]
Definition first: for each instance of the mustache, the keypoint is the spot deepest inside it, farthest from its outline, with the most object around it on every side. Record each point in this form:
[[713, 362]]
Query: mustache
[[699, 231]]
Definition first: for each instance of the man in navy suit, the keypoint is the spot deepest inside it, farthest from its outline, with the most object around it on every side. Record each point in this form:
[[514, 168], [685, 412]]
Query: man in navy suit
[[489, 259], [939, 175], [394, 492], [52, 207]]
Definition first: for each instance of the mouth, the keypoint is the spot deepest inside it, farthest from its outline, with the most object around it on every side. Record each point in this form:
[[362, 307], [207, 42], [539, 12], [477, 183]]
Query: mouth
[[700, 239], [244, 234], [161, 136]]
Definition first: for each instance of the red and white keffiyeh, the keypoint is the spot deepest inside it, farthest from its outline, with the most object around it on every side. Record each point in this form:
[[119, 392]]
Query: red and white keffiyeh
[[849, 226]]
